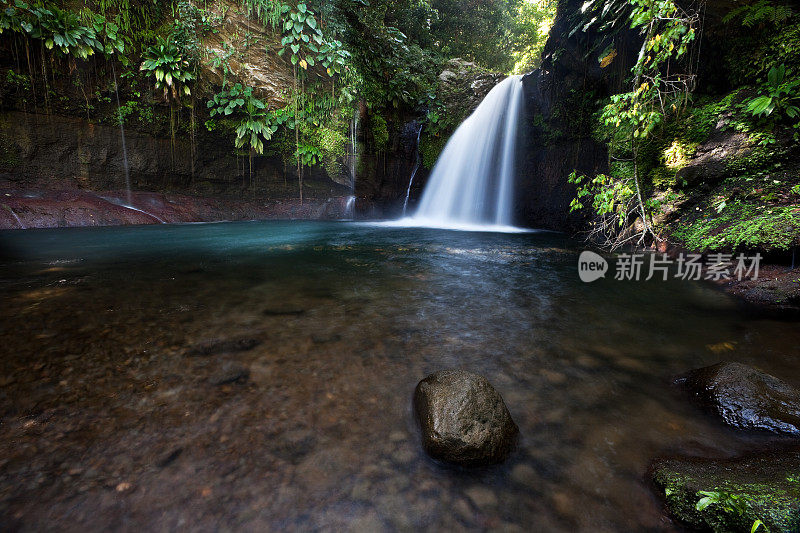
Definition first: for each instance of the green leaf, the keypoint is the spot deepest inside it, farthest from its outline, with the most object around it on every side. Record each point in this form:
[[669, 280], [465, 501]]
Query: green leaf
[[776, 74], [708, 499], [759, 105]]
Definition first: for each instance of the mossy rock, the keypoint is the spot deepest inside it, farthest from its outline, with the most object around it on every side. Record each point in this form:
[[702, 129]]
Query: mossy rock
[[763, 487]]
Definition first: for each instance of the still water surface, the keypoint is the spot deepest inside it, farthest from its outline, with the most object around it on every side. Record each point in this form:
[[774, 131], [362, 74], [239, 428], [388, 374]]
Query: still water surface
[[115, 342]]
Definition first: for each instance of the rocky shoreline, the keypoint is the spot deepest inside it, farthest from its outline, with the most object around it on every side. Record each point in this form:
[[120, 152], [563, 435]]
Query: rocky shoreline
[[25, 209], [775, 294]]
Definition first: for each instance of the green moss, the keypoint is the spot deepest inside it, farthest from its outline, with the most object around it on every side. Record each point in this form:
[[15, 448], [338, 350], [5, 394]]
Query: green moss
[[430, 146], [697, 124], [333, 145], [738, 495], [622, 169], [380, 132], [761, 158], [9, 155], [740, 225]]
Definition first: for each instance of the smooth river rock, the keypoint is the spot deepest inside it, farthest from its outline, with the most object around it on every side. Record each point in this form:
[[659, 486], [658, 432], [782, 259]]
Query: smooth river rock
[[746, 398], [463, 419]]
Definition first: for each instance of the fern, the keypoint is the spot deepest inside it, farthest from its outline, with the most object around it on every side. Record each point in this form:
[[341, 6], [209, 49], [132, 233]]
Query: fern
[[760, 12], [267, 12]]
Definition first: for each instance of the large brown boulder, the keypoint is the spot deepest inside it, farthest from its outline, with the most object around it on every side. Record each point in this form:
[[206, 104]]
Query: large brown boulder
[[746, 398], [463, 419]]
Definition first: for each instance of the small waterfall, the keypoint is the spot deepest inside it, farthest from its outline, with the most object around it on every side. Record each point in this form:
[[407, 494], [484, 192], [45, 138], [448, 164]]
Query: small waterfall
[[120, 203], [353, 159], [16, 217], [352, 163], [151, 215], [417, 162], [471, 185], [350, 207], [124, 146]]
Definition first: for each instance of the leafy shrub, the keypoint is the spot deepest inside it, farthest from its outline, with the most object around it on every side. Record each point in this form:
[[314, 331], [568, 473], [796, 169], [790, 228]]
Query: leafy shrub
[[783, 95], [63, 31], [170, 69]]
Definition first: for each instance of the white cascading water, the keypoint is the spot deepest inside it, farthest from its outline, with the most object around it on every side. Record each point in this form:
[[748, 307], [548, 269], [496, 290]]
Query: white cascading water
[[472, 184]]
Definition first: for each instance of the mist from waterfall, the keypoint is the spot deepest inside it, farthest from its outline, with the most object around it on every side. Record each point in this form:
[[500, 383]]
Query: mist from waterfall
[[472, 184]]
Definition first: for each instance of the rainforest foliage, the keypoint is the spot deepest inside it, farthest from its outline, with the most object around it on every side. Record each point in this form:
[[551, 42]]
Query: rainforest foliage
[[382, 55], [711, 166]]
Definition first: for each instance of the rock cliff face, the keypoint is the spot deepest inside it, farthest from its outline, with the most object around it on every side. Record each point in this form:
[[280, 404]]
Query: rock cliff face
[[52, 151], [560, 99], [269, 75]]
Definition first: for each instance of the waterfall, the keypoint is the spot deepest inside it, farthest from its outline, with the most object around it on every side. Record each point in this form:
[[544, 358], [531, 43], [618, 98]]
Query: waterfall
[[352, 163], [472, 183], [353, 149], [125, 166], [413, 172]]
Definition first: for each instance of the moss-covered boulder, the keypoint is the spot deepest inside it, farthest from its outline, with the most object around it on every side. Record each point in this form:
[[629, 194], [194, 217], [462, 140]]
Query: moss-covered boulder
[[732, 493], [746, 398]]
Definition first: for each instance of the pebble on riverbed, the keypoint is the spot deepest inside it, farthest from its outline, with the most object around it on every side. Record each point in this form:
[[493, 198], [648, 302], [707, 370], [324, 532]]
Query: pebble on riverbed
[[230, 372], [463, 419]]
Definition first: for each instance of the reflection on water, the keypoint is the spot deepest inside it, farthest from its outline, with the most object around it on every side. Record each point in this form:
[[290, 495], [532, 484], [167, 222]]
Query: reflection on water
[[259, 376]]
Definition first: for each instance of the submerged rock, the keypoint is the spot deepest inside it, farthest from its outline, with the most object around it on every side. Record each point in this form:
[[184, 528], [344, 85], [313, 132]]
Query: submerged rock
[[219, 346], [463, 419], [762, 487], [230, 373], [746, 398]]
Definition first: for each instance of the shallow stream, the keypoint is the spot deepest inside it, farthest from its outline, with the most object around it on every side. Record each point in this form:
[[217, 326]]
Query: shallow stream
[[259, 376]]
